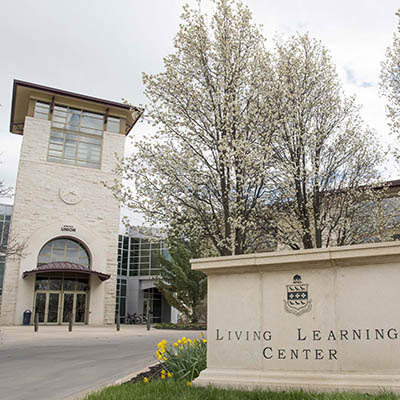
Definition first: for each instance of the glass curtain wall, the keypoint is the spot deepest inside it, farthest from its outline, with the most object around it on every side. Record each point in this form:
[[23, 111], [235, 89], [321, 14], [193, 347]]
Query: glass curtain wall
[[4, 230], [138, 256]]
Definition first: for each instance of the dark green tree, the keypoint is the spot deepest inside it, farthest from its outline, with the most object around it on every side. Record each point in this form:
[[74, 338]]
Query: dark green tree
[[182, 287]]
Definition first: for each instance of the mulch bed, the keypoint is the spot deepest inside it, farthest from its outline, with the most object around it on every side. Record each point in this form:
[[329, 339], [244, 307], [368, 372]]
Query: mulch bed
[[182, 329], [192, 327], [154, 372]]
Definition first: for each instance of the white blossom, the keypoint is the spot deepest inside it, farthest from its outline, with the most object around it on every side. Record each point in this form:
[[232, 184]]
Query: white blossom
[[254, 148], [390, 82]]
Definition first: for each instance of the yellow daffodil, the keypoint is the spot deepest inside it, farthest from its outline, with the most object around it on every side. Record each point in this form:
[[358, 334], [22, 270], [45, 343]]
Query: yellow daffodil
[[175, 344], [170, 374], [204, 340], [179, 341], [162, 376], [164, 342], [188, 384], [201, 334], [189, 341], [145, 380], [163, 372], [160, 353]]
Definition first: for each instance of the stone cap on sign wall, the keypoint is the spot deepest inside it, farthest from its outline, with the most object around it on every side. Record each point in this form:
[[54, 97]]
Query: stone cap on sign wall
[[363, 254]]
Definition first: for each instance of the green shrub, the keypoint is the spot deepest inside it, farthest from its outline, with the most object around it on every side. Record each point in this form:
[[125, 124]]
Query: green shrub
[[184, 359]]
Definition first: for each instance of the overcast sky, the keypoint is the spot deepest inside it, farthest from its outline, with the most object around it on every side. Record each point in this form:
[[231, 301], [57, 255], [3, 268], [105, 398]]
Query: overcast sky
[[100, 48]]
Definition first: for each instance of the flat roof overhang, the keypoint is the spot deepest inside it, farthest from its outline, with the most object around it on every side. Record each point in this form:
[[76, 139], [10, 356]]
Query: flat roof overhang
[[23, 91], [65, 267]]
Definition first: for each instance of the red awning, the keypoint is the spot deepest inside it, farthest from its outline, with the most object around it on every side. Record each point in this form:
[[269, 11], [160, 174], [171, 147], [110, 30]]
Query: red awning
[[66, 267]]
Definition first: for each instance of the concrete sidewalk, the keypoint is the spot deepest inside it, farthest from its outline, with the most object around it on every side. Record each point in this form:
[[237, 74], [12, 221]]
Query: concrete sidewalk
[[55, 364], [23, 334]]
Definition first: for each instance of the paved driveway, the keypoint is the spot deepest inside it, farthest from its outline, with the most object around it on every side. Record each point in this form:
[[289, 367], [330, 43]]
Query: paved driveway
[[55, 364]]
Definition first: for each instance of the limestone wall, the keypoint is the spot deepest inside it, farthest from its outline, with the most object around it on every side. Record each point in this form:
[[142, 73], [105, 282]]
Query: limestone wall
[[40, 213], [321, 319]]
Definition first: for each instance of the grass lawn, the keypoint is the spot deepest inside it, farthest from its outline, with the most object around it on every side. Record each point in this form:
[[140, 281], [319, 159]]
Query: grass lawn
[[171, 390]]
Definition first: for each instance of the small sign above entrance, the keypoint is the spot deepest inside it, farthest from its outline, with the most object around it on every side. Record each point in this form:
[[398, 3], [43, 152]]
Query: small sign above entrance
[[68, 228]]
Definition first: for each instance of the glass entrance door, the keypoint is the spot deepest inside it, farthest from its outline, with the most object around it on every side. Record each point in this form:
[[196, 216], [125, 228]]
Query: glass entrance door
[[74, 304], [40, 306], [80, 307], [59, 297], [58, 307], [68, 306], [153, 298], [53, 308], [47, 307]]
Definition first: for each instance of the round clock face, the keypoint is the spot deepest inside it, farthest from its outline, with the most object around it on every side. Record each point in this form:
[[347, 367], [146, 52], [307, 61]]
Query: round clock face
[[69, 195]]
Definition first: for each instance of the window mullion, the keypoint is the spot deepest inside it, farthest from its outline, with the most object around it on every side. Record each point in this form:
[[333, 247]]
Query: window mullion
[[64, 144]]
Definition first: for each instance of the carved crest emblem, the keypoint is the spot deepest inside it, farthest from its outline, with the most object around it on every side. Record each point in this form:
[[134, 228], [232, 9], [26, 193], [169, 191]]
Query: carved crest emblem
[[297, 301]]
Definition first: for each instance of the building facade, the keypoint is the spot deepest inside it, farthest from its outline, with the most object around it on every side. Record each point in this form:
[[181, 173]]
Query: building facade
[[138, 267], [65, 216]]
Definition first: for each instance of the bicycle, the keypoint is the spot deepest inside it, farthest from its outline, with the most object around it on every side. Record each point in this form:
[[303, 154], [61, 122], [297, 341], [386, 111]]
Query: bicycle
[[129, 319], [133, 319], [137, 319]]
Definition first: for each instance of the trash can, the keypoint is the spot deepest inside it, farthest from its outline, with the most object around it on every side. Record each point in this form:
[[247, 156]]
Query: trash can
[[27, 317]]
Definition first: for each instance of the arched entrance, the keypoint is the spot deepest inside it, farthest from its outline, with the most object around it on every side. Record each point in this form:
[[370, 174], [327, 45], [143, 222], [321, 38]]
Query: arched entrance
[[62, 282], [60, 296]]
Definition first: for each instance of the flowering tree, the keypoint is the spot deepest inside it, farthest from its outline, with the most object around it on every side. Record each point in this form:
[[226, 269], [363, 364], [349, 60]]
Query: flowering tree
[[207, 167], [252, 147], [390, 81], [5, 191], [325, 160]]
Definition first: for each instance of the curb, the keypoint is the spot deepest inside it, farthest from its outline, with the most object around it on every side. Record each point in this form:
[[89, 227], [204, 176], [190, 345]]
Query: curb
[[127, 378]]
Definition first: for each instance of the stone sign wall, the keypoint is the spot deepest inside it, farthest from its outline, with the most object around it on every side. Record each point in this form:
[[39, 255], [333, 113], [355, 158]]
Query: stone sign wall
[[320, 319]]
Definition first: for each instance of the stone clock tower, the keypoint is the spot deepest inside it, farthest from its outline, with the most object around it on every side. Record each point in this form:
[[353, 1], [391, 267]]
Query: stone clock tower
[[63, 214]]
